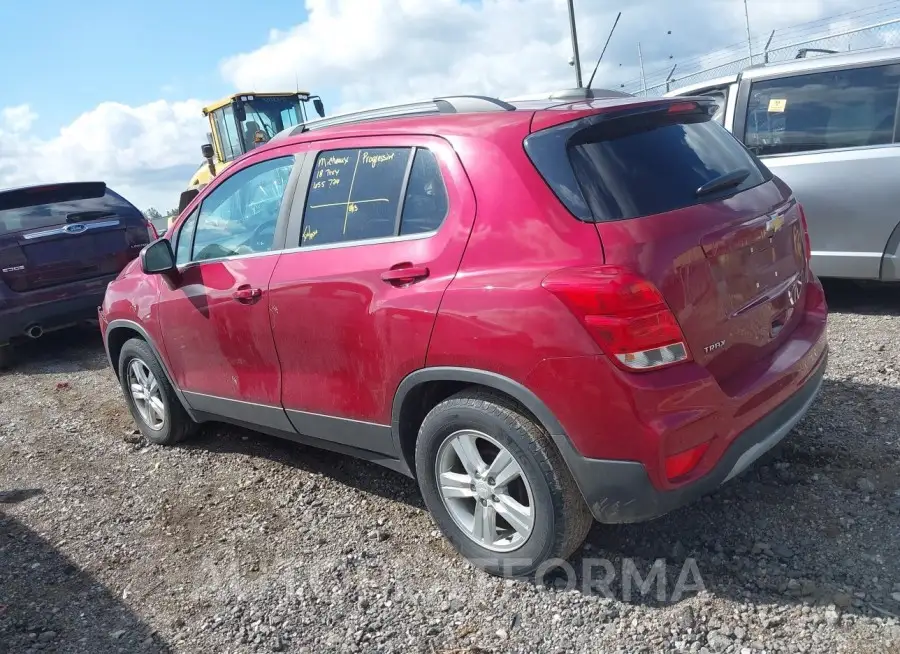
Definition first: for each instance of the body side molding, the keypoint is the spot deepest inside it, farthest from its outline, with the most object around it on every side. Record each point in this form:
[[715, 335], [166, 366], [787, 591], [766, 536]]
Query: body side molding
[[344, 431]]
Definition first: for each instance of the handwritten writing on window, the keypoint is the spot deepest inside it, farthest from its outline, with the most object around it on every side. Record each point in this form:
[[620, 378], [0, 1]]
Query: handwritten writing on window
[[354, 194]]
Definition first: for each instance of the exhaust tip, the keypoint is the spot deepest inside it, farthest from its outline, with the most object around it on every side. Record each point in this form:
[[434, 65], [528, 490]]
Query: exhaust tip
[[34, 332]]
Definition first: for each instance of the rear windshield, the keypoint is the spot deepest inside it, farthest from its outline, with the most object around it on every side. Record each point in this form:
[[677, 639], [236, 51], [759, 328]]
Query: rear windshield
[[49, 206], [644, 164]]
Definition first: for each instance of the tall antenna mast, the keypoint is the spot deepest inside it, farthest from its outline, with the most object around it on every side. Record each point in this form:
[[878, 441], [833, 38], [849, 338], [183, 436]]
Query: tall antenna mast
[[576, 56], [749, 39], [599, 59]]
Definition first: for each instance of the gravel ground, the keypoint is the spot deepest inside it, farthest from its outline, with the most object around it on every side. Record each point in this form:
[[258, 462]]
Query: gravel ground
[[237, 542]]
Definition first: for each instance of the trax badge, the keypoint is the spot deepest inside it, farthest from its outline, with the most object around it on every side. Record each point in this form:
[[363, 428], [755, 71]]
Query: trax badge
[[714, 346]]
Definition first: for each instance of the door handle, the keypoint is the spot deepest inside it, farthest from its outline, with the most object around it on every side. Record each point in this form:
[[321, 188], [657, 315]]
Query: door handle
[[246, 294], [404, 273]]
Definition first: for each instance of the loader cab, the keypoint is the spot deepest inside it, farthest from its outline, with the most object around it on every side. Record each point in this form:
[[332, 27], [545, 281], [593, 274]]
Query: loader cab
[[243, 121]]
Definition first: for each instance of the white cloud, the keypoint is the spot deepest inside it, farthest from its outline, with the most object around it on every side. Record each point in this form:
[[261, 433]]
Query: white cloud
[[395, 50], [17, 119], [368, 52], [147, 153]]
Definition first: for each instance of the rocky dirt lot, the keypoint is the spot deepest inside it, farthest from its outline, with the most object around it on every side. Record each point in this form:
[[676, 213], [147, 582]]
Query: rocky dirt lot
[[236, 542]]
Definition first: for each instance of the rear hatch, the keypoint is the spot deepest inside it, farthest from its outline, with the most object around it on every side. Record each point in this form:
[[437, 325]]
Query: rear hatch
[[61, 233], [682, 204]]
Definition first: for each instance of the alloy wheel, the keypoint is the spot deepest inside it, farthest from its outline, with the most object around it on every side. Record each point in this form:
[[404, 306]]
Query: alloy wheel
[[485, 490], [147, 395]]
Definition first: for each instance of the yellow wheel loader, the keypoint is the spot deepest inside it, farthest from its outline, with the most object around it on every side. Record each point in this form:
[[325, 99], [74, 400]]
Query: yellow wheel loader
[[240, 122]]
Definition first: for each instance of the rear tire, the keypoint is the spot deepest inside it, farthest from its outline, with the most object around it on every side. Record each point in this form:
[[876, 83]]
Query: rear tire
[[548, 517], [151, 399]]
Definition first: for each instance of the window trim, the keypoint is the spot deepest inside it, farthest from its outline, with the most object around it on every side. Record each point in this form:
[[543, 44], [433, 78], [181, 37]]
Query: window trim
[[284, 213], [195, 214], [743, 102], [296, 223], [364, 241], [404, 186]]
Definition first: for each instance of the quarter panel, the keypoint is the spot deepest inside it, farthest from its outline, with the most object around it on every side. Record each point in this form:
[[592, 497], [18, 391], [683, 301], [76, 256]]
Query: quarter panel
[[496, 316]]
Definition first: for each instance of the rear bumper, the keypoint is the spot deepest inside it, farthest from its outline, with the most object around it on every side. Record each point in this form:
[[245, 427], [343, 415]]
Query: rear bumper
[[621, 491], [51, 308]]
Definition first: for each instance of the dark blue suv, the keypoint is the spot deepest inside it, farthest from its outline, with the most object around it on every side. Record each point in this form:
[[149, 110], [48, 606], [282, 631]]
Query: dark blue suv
[[60, 245]]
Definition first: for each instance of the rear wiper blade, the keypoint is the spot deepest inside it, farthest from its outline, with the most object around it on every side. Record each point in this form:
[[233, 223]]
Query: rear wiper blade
[[81, 216], [728, 180]]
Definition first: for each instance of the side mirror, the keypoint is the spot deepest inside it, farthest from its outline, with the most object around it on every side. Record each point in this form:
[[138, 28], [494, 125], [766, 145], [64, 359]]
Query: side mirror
[[207, 151], [186, 198], [320, 108], [158, 258]]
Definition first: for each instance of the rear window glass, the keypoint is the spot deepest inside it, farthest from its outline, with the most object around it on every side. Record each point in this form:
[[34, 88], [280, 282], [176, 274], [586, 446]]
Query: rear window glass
[[641, 164], [640, 170], [51, 206]]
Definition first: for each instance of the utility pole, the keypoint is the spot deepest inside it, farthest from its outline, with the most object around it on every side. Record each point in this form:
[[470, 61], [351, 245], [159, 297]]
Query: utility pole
[[576, 56], [641, 61], [749, 40]]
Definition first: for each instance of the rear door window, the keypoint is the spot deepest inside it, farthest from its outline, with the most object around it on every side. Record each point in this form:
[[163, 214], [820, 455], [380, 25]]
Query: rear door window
[[425, 205], [373, 193], [820, 111]]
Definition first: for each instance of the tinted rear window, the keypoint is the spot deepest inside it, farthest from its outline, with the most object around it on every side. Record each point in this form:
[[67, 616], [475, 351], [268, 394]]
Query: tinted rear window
[[641, 164], [49, 206]]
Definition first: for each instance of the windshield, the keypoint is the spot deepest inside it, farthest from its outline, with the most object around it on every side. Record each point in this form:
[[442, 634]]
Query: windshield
[[268, 116]]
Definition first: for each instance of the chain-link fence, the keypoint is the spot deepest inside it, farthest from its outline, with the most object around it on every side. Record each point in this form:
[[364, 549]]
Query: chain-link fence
[[882, 34]]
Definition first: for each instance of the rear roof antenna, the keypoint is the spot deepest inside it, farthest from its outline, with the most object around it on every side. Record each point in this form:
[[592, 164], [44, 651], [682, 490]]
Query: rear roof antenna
[[600, 58]]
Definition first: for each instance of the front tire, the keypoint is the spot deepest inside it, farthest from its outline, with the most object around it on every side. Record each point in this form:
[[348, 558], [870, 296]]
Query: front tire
[[496, 485], [152, 401]]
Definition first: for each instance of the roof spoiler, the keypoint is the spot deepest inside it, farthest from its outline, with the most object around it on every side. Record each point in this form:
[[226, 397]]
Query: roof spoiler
[[30, 196]]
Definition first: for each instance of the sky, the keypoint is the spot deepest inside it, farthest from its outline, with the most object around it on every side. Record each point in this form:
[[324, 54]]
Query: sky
[[113, 91]]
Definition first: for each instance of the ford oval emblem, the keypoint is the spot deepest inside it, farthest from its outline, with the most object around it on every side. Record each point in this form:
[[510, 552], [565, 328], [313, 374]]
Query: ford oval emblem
[[77, 228]]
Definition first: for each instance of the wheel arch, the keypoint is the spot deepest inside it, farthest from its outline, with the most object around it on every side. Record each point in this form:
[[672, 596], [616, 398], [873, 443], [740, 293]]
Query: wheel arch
[[423, 389], [119, 332], [890, 259]]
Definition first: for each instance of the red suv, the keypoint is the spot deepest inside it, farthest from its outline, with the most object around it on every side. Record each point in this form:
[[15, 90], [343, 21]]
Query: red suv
[[544, 312]]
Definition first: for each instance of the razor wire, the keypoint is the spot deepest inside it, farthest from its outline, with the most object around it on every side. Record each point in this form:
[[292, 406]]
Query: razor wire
[[884, 34]]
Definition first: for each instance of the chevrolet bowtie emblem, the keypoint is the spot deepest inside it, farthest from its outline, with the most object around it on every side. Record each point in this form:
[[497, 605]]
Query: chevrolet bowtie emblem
[[774, 223]]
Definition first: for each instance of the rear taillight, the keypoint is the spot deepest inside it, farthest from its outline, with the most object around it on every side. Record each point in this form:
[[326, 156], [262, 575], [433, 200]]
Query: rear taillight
[[806, 243], [624, 313], [151, 232]]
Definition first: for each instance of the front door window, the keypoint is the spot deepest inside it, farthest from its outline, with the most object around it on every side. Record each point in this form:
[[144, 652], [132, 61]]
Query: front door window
[[239, 216]]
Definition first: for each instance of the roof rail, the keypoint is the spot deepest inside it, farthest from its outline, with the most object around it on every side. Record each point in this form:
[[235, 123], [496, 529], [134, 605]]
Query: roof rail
[[453, 104]]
